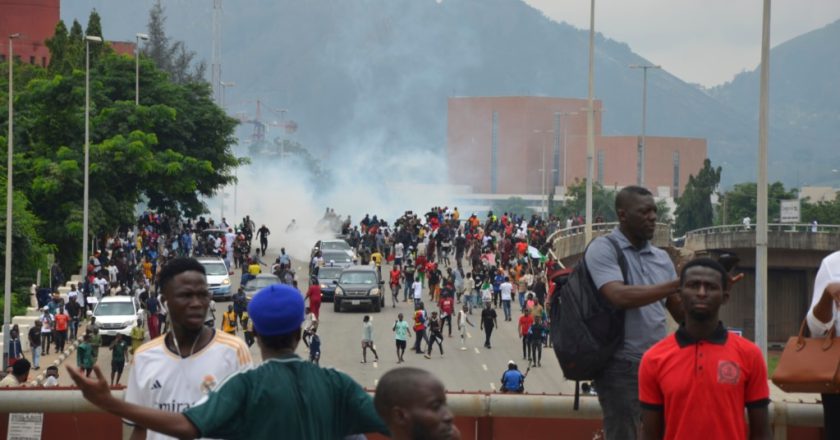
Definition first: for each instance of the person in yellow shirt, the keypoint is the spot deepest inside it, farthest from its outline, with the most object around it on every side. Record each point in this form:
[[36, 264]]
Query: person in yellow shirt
[[376, 259], [229, 321], [138, 335], [254, 268]]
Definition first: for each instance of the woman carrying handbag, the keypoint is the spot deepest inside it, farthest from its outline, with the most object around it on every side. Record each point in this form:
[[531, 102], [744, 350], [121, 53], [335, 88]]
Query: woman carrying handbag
[[822, 316]]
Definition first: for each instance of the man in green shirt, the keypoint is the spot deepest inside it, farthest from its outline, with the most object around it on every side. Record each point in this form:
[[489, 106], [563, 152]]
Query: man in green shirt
[[95, 343], [84, 356], [118, 349], [283, 395]]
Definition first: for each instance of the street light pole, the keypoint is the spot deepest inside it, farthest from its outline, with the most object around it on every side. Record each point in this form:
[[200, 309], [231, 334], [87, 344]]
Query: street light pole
[[543, 172], [225, 85], [137, 37], [640, 178], [85, 203], [761, 202], [564, 121], [7, 282], [590, 126]]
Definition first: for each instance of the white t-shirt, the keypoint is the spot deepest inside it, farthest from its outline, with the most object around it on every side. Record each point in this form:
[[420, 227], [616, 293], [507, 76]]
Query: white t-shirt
[[162, 380], [398, 250], [417, 286], [506, 288], [462, 318], [112, 273]]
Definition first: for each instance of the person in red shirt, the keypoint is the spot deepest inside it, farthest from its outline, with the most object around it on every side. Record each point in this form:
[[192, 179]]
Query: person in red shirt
[[62, 324], [447, 308], [695, 383], [313, 294], [394, 282], [525, 322]]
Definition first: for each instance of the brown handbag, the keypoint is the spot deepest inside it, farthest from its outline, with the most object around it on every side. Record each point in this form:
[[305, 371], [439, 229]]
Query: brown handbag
[[809, 365]]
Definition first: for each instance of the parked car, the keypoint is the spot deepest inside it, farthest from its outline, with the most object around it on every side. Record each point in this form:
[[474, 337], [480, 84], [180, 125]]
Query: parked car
[[117, 314], [261, 281], [218, 277], [357, 286], [326, 275]]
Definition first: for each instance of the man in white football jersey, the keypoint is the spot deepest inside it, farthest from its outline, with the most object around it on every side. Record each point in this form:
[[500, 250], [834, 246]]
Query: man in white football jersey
[[174, 371]]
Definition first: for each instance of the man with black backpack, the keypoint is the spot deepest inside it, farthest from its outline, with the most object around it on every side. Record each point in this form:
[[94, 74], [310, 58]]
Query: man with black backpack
[[612, 309]]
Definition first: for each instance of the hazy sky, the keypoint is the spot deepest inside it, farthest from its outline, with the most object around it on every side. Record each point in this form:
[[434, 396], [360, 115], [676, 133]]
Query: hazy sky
[[706, 42]]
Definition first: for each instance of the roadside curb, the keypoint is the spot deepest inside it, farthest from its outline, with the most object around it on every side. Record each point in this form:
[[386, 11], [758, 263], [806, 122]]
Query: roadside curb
[[39, 379]]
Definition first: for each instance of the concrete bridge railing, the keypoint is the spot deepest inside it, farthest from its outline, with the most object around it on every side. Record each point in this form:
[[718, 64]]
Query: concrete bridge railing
[[793, 236], [569, 242]]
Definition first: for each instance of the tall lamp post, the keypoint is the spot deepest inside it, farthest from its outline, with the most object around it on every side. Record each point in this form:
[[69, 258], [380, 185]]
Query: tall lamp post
[[565, 123], [640, 178], [7, 284], [543, 173], [761, 202], [137, 37], [225, 86], [590, 126], [88, 39]]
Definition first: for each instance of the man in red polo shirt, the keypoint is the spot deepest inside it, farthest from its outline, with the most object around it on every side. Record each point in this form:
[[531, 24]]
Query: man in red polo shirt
[[695, 383]]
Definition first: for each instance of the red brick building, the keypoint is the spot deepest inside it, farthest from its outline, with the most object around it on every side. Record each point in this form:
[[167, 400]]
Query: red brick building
[[35, 20], [504, 145]]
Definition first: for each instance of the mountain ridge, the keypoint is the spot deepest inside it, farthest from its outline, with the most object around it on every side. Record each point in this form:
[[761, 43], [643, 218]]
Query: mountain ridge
[[375, 74]]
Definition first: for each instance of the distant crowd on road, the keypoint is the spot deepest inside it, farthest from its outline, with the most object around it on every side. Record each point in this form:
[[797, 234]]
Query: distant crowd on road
[[696, 382]]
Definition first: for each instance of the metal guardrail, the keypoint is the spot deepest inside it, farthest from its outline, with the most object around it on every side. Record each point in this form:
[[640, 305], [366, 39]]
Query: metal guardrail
[[782, 414], [579, 229], [771, 227]]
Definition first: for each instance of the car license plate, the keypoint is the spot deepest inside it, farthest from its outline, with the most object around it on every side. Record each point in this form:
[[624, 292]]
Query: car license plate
[[355, 302]]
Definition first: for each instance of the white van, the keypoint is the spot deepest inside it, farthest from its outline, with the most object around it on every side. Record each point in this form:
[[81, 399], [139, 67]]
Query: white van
[[117, 314], [218, 277]]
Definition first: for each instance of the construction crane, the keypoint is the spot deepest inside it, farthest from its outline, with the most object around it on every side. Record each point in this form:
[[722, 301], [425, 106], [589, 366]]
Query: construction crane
[[260, 126]]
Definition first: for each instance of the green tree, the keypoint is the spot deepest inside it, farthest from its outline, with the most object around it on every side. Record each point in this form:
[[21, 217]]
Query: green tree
[[94, 28], [172, 57], [603, 202], [663, 212], [824, 212], [29, 252], [694, 207], [169, 152], [740, 202], [58, 46], [512, 205]]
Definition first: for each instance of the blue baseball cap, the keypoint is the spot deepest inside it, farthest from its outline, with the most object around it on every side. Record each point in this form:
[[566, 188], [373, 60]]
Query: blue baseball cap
[[276, 310]]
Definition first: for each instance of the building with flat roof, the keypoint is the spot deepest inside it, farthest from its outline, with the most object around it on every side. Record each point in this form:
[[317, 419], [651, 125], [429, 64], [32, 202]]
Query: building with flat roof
[[35, 21], [537, 145]]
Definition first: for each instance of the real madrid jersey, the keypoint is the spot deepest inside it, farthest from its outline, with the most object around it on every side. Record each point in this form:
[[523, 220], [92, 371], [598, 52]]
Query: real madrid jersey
[[163, 380]]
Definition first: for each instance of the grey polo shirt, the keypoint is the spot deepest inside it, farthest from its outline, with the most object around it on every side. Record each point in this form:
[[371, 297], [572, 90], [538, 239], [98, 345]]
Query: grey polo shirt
[[643, 326]]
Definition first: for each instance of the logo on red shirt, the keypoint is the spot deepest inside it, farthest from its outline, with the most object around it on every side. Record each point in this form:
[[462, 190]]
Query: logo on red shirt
[[728, 372]]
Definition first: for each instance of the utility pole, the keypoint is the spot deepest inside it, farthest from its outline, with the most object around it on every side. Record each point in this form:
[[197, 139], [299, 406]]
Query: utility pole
[[216, 62], [7, 282], [761, 203], [640, 177], [590, 125]]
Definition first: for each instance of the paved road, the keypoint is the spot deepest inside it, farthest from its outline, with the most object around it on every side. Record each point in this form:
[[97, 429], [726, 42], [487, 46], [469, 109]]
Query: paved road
[[474, 369]]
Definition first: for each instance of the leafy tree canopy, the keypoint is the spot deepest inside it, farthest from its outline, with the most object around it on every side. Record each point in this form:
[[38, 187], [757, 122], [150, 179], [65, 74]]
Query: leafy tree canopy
[[170, 151], [603, 202], [694, 207], [740, 202], [512, 205]]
